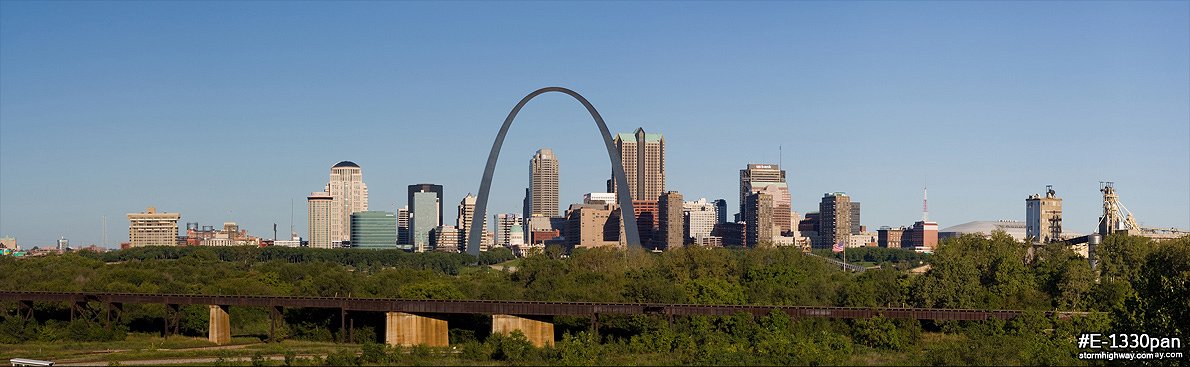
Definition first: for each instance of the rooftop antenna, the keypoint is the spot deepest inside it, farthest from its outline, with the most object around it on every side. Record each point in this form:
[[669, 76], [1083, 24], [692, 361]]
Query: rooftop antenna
[[925, 207], [104, 236], [780, 156]]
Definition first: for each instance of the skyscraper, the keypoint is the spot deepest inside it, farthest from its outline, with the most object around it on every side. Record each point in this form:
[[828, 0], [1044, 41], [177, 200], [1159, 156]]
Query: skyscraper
[[671, 233], [769, 178], [643, 158], [506, 225], [425, 213], [1043, 216], [349, 195], [425, 187], [720, 211], [319, 207], [543, 184], [152, 228], [758, 215], [834, 219], [403, 227]]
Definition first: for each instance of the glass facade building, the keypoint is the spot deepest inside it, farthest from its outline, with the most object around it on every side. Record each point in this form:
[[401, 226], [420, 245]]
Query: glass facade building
[[374, 229]]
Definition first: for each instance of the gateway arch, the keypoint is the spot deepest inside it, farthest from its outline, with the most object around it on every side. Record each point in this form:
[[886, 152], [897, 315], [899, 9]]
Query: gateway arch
[[623, 197]]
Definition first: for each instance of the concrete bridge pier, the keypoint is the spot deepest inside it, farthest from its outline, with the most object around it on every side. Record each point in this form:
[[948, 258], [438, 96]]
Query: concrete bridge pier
[[540, 333], [406, 329], [219, 331]]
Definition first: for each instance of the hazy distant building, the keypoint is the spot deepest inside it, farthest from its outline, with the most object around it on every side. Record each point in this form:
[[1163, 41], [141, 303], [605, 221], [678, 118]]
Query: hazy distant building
[[769, 178], [152, 228], [1043, 217], [374, 229], [543, 184], [8, 243], [720, 211], [671, 229], [758, 218], [834, 220], [1013, 228], [700, 218], [425, 213], [349, 194], [403, 235], [319, 206], [643, 158]]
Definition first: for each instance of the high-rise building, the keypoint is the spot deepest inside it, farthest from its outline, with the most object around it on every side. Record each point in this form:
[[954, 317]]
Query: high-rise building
[[543, 184], [643, 158], [425, 187], [505, 224], [720, 211], [319, 207], [425, 214], [1043, 216], [466, 211], [374, 229], [834, 220], [758, 217], [856, 228], [647, 221], [152, 228], [700, 218], [671, 229], [403, 236], [349, 195], [771, 179]]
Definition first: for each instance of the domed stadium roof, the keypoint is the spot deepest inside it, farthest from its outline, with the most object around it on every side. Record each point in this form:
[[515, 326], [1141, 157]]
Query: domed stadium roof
[[345, 164], [1013, 228]]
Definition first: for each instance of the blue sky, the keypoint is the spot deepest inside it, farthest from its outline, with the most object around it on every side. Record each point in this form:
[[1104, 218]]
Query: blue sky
[[230, 111]]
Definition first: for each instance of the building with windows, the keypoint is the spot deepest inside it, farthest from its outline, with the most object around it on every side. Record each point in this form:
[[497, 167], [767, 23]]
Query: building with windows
[[319, 206], [151, 228], [837, 220], [543, 184], [403, 235], [759, 228], [506, 225], [671, 229], [720, 211], [769, 178], [700, 217], [425, 214], [643, 158], [889, 237], [592, 225], [1043, 217], [374, 229], [348, 194], [446, 239]]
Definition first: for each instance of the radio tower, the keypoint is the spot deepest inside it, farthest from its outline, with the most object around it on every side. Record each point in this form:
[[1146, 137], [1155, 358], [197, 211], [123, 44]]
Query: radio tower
[[925, 208]]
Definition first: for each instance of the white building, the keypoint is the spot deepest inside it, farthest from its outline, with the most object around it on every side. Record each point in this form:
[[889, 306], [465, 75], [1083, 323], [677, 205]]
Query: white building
[[700, 217], [599, 198], [152, 228], [349, 194], [319, 207], [543, 184], [505, 224]]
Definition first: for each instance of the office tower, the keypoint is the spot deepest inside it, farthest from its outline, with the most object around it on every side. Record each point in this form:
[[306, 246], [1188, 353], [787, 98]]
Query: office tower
[[319, 207], [466, 210], [758, 216], [543, 184], [425, 187], [349, 195], [504, 228], [720, 211], [671, 229], [834, 219], [1043, 216], [425, 214], [643, 158], [446, 239], [856, 228], [374, 229], [403, 237], [769, 178], [152, 228], [647, 221], [700, 218]]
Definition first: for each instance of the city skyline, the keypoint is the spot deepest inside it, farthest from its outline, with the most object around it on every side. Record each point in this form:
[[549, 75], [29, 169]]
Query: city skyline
[[952, 103]]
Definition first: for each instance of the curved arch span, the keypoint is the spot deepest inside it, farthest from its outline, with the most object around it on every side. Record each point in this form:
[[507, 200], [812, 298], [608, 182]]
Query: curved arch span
[[623, 197]]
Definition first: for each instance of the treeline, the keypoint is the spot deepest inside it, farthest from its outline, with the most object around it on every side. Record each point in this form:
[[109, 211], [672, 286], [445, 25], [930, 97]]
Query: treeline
[[1139, 285]]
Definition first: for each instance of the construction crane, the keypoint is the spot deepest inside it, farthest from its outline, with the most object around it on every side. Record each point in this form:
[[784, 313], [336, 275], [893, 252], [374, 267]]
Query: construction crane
[[1115, 216]]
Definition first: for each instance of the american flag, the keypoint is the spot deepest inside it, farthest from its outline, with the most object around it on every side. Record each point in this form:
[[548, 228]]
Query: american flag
[[838, 247]]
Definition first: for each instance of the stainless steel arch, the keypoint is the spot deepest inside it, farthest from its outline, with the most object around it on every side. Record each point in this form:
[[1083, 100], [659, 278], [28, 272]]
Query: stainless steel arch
[[624, 197]]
